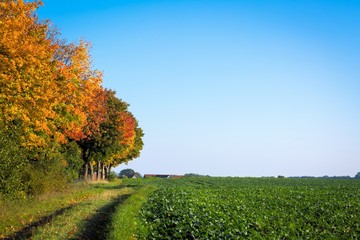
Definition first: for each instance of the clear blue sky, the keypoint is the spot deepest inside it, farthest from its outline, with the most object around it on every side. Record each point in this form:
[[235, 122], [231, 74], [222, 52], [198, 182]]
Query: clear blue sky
[[230, 88]]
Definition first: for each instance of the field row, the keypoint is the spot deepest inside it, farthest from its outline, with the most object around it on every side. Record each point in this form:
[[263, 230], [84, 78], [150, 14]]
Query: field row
[[231, 208]]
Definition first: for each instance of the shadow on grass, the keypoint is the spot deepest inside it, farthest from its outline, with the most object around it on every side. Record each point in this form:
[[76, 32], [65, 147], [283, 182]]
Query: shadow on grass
[[119, 186], [96, 227], [27, 231], [100, 186]]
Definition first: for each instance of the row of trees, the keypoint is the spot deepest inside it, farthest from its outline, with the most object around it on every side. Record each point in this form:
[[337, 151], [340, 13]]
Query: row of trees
[[56, 119]]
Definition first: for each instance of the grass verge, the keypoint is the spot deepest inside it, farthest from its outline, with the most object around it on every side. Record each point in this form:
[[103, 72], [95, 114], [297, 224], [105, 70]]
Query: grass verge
[[125, 222], [32, 216], [87, 220]]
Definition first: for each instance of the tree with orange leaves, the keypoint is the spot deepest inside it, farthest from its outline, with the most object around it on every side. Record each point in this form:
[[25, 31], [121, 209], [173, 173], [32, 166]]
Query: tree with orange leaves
[[82, 95], [46, 87], [27, 93], [48, 92], [119, 136], [53, 101], [130, 142]]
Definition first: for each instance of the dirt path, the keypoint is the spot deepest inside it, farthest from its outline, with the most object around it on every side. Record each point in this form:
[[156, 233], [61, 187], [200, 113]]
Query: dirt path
[[27, 231], [97, 226], [87, 219]]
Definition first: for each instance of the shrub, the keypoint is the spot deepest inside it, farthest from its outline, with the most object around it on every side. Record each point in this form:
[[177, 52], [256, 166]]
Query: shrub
[[112, 176], [12, 165], [24, 172], [47, 173], [71, 152], [123, 176]]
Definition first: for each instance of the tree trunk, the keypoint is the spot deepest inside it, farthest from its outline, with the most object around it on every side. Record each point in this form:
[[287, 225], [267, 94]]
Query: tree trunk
[[109, 169], [91, 172], [98, 175], [85, 166], [103, 171], [85, 171]]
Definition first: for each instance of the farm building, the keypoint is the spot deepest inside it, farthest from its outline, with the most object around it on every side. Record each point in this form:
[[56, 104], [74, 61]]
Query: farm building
[[162, 176]]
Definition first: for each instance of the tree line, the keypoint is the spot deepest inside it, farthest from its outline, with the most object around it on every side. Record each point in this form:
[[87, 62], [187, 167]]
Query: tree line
[[57, 121]]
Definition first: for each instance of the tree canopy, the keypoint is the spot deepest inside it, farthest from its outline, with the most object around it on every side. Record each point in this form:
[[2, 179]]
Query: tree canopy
[[128, 172], [53, 104]]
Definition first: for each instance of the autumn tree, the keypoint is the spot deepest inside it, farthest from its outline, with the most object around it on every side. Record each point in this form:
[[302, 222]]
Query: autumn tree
[[137, 147], [47, 86], [119, 137], [27, 93], [84, 100], [82, 107], [53, 105], [48, 92], [128, 143]]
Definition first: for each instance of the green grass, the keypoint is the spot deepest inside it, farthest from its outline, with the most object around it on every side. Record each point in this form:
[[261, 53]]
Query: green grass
[[86, 220], [72, 213], [198, 208], [125, 221]]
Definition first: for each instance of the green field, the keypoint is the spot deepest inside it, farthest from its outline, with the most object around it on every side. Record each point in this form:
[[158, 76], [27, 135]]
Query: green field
[[191, 208], [238, 208]]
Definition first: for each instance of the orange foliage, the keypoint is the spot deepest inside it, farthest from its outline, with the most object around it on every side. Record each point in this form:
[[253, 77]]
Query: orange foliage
[[47, 88], [26, 92], [82, 93], [127, 127], [49, 91]]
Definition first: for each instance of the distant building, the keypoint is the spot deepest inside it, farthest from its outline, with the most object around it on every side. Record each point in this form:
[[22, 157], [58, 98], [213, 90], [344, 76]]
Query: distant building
[[162, 176]]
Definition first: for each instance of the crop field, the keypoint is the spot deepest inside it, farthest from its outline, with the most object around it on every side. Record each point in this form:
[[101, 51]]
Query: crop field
[[252, 208], [190, 208]]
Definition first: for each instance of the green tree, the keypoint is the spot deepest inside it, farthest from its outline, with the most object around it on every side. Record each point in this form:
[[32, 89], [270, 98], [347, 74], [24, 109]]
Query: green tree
[[128, 172]]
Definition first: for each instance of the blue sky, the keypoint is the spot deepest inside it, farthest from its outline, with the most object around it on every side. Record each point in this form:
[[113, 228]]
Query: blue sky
[[230, 88]]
